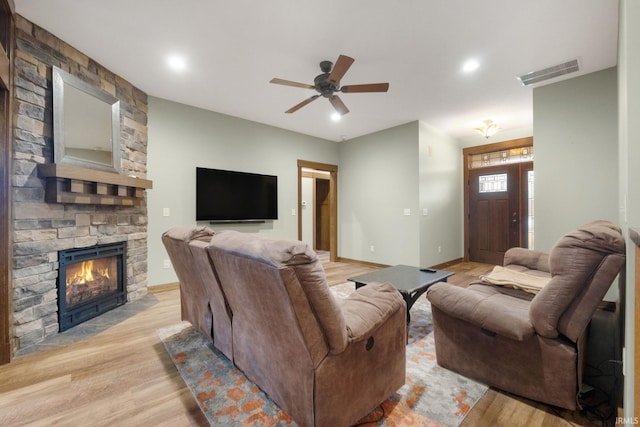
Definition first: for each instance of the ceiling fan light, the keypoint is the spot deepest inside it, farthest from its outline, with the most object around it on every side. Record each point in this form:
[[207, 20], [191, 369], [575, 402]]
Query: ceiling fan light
[[489, 129], [336, 117]]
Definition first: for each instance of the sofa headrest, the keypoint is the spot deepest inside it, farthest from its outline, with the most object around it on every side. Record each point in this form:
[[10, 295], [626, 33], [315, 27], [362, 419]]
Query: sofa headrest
[[277, 253], [600, 236], [187, 234], [583, 264]]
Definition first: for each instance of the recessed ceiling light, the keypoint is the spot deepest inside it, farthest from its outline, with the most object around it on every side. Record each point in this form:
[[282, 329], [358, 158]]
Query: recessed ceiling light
[[177, 63], [336, 117], [470, 66]]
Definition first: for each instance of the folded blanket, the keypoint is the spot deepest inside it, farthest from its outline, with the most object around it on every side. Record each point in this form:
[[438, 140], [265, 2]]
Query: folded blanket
[[502, 276]]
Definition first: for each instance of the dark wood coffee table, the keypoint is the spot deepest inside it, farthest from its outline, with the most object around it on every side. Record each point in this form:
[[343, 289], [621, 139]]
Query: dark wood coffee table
[[411, 282]]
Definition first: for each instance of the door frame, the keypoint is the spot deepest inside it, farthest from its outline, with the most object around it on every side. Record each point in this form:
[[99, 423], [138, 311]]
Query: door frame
[[466, 160], [315, 175], [333, 201], [7, 10]]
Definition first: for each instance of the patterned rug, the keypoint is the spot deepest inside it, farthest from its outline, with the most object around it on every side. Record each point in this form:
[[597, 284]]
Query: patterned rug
[[431, 396]]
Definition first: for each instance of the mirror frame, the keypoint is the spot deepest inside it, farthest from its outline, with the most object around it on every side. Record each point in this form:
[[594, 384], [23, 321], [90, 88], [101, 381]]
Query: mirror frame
[[60, 79]]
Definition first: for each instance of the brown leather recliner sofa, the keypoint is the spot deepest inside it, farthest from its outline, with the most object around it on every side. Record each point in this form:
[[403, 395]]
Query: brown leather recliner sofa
[[325, 361], [202, 301], [532, 346]]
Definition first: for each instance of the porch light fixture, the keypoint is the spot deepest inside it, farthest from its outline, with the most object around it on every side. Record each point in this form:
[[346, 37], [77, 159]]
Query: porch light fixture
[[489, 129]]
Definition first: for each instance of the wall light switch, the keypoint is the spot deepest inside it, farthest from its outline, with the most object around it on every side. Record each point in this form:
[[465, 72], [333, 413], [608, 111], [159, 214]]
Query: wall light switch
[[165, 212], [407, 211], [293, 211], [166, 264], [425, 211]]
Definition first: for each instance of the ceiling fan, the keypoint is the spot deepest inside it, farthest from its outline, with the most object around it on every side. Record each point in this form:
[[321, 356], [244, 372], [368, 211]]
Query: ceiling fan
[[328, 83]]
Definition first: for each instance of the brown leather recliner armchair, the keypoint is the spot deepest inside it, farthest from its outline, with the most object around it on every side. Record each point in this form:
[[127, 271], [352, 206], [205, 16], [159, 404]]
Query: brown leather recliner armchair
[[530, 346]]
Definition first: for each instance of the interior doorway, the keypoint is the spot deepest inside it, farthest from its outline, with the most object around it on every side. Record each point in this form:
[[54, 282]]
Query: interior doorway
[[318, 206], [321, 214], [498, 199]]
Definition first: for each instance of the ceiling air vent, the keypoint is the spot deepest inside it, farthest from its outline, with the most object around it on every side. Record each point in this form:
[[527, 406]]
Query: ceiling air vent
[[550, 72]]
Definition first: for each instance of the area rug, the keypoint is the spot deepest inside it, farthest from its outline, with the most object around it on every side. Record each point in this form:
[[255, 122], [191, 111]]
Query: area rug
[[431, 396]]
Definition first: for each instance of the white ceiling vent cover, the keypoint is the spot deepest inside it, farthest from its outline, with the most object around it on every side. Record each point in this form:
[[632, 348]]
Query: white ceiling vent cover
[[550, 72]]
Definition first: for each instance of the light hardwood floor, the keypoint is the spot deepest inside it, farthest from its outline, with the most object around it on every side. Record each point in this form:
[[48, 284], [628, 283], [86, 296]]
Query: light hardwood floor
[[123, 376]]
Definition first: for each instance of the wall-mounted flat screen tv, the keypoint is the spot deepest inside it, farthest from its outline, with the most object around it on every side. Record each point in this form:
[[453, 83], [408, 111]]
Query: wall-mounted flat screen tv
[[229, 196]]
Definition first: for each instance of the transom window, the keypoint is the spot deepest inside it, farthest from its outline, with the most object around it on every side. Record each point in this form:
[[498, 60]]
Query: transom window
[[495, 158]]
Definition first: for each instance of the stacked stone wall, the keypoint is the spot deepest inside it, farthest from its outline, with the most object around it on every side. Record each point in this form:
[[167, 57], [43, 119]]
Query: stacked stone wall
[[40, 229]]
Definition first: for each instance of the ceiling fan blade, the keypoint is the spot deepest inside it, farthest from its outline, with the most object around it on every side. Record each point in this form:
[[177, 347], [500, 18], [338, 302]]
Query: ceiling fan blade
[[302, 104], [371, 87], [340, 68], [338, 105], [290, 83]]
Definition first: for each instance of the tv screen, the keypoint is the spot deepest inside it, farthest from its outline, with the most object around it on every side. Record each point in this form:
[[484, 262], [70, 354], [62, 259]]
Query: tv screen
[[228, 196]]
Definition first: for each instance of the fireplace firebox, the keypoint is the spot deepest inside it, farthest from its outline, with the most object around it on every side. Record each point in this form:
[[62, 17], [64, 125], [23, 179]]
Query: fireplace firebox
[[91, 281]]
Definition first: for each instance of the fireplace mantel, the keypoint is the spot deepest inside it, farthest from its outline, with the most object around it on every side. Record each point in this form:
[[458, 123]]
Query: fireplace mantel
[[73, 184]]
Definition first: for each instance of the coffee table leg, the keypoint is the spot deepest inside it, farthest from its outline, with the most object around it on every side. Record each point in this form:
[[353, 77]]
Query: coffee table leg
[[409, 304], [410, 298]]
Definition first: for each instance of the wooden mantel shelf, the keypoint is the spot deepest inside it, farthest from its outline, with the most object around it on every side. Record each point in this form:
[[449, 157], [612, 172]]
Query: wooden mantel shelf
[[73, 184]]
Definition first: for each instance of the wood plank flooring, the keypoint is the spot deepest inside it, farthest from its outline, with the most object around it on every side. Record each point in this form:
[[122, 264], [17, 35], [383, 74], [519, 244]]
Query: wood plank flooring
[[123, 376]]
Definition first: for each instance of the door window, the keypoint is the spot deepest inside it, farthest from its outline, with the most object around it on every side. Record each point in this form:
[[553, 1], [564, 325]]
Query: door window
[[494, 183]]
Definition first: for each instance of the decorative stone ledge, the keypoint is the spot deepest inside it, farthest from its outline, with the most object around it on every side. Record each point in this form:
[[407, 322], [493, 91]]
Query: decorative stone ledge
[[73, 184]]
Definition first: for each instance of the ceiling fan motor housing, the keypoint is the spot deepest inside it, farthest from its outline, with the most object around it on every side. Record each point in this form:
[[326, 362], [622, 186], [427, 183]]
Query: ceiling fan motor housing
[[324, 86], [322, 83]]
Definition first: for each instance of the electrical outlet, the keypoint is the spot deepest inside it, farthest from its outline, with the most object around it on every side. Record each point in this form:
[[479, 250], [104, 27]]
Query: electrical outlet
[[425, 212], [165, 212], [166, 264], [372, 248], [439, 249], [407, 211]]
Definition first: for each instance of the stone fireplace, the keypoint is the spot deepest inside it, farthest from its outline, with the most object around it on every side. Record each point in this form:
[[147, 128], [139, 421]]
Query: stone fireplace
[[90, 282], [61, 210]]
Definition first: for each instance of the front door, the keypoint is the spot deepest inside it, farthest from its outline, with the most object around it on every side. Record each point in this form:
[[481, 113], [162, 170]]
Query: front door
[[494, 212]]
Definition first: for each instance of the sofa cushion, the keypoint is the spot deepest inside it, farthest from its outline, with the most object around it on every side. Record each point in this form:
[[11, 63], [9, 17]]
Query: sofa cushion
[[484, 307]]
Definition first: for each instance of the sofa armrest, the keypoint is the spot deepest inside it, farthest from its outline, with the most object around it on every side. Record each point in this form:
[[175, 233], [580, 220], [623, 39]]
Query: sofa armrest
[[493, 313], [532, 260], [369, 307]]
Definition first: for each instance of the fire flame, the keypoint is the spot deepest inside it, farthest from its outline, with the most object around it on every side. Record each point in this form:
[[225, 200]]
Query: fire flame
[[86, 271]]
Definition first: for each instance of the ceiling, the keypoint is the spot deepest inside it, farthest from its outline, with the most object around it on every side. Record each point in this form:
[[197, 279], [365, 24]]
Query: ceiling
[[233, 48]]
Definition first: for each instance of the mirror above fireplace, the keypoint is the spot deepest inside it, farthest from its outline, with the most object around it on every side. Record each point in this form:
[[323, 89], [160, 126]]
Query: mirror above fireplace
[[86, 124]]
